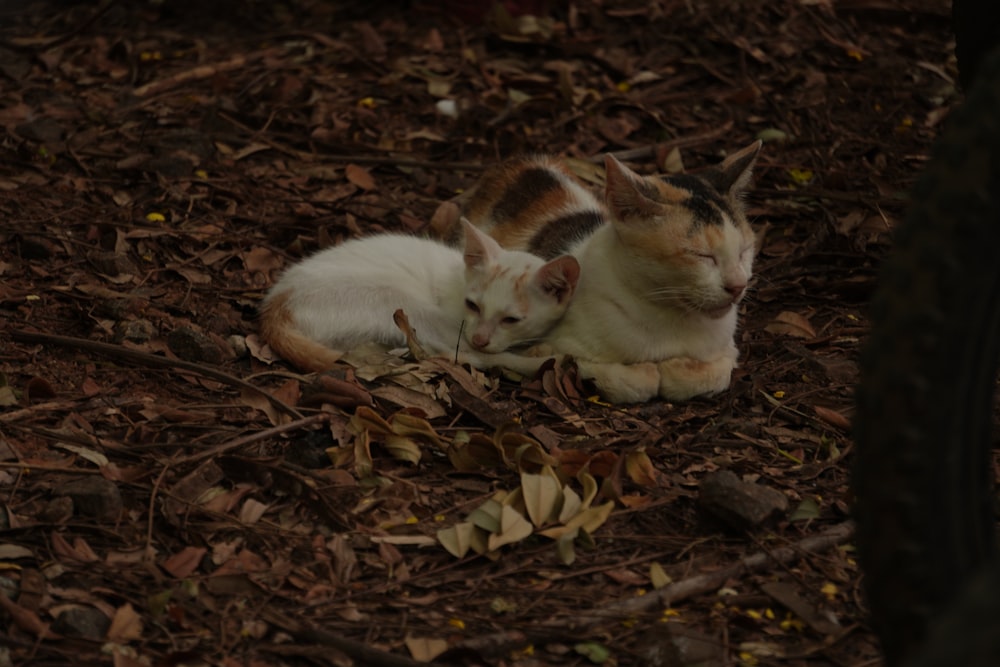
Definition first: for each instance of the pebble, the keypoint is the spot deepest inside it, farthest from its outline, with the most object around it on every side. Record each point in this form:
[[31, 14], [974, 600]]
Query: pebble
[[740, 504], [94, 496]]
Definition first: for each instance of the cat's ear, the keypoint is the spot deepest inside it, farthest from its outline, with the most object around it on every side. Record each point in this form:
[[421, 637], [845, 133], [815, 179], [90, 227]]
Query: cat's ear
[[480, 249], [626, 191], [559, 277], [732, 176]]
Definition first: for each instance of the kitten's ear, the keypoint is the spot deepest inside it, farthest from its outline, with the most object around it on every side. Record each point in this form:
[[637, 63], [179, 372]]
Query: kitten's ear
[[624, 191], [559, 277], [480, 249], [732, 176]]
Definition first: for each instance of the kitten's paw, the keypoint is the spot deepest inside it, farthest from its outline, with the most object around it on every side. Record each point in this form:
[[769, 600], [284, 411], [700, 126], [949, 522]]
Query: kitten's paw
[[622, 383], [682, 378], [522, 365]]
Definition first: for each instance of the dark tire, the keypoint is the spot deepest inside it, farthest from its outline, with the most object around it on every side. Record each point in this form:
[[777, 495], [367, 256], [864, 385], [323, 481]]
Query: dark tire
[[925, 405]]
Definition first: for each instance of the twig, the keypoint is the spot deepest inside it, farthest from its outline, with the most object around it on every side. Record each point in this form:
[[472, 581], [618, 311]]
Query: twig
[[662, 148], [119, 352], [57, 406], [254, 437], [672, 593], [359, 651], [201, 72], [152, 507], [704, 583]]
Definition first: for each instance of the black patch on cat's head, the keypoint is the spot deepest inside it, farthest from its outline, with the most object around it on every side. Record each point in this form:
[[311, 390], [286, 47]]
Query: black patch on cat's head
[[707, 206], [530, 186], [557, 235]]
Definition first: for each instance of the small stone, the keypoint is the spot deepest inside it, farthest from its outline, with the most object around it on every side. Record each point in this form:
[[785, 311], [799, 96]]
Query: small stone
[[171, 166], [93, 496], [56, 510], [42, 130], [82, 622], [112, 263], [662, 647], [135, 331], [740, 504], [239, 345], [192, 345]]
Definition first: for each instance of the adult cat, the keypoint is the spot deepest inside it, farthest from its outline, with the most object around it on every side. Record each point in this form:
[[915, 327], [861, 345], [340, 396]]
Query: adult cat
[[487, 297], [662, 272]]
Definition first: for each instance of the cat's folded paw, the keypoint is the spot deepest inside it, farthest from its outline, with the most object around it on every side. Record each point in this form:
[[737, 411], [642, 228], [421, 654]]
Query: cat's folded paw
[[682, 378], [622, 383]]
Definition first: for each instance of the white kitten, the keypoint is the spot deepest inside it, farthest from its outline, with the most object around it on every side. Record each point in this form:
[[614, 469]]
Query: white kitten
[[485, 299]]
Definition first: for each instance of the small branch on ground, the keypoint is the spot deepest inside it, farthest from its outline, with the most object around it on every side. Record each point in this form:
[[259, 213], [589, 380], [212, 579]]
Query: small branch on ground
[[202, 72], [359, 651], [504, 642], [146, 359]]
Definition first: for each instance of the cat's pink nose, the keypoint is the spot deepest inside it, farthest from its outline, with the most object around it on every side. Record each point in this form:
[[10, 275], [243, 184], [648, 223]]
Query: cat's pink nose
[[736, 291], [480, 340]]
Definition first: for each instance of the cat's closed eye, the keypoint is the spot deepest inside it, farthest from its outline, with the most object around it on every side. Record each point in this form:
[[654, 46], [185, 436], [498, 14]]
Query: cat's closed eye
[[706, 257], [472, 306], [510, 320]]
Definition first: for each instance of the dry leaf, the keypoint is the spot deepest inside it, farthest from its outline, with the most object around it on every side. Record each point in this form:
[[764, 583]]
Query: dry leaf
[[542, 497], [513, 528], [658, 576], [832, 417], [425, 649], [26, 619], [79, 551], [791, 324], [126, 625], [360, 177], [457, 539], [252, 511], [641, 470], [183, 563], [262, 260]]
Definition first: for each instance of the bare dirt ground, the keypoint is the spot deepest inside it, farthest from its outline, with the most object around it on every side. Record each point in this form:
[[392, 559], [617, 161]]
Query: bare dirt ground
[[170, 495]]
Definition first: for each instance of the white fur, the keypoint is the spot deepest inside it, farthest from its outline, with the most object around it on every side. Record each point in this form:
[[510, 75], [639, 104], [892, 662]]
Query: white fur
[[346, 295]]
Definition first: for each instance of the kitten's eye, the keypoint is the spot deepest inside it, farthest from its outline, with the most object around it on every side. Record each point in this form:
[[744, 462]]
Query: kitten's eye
[[707, 257], [471, 306], [509, 320]]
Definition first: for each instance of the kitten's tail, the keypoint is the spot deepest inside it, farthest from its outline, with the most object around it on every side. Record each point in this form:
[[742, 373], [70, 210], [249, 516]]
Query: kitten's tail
[[280, 332]]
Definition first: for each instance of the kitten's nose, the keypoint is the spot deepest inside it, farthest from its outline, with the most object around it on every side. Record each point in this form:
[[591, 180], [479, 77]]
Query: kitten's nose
[[480, 340]]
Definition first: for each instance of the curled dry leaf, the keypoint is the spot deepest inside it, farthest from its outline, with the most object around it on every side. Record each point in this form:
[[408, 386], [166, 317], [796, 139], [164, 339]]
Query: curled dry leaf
[[640, 468], [542, 497], [832, 417], [513, 528], [457, 539], [791, 324], [658, 576], [470, 453]]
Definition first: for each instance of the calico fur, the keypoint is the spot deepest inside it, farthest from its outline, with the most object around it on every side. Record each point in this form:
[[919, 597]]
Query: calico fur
[[655, 310], [483, 299]]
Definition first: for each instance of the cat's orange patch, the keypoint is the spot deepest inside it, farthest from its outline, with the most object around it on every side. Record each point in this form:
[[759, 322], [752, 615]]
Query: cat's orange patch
[[277, 328]]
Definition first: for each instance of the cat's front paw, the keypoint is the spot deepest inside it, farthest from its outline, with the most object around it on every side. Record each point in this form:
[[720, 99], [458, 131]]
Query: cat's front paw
[[622, 383], [682, 378]]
